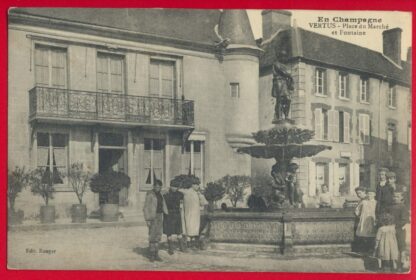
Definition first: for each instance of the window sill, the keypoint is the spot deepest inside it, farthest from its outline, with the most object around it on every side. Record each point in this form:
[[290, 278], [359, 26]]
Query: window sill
[[320, 95], [343, 98], [392, 108], [365, 102]]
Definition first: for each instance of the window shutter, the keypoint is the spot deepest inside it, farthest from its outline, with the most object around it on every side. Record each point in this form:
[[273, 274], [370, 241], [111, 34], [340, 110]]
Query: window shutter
[[330, 177], [336, 179], [312, 178], [330, 125], [315, 82], [326, 90], [360, 128], [336, 126], [353, 181], [347, 86], [318, 123], [367, 128], [338, 87], [346, 127], [58, 64], [359, 90], [102, 74], [394, 97]]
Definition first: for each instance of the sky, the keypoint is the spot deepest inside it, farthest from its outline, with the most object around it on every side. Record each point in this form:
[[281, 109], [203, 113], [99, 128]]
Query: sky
[[373, 38]]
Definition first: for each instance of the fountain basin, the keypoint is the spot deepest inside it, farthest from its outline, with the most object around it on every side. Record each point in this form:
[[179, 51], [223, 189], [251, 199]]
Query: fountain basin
[[291, 231]]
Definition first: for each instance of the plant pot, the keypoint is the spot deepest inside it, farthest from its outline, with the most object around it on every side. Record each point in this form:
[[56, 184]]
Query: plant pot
[[15, 217], [47, 214], [109, 212], [79, 213]]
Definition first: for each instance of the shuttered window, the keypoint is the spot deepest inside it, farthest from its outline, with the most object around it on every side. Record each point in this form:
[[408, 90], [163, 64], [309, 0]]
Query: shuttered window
[[364, 90], [193, 159], [343, 86], [50, 66], [110, 73], [320, 82], [162, 78], [364, 128], [154, 154], [392, 97]]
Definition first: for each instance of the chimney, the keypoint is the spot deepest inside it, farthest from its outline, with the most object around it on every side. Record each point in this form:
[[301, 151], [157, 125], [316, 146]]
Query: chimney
[[392, 44], [409, 55], [274, 20]]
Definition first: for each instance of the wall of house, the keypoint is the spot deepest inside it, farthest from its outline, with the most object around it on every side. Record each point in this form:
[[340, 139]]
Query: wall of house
[[201, 77], [374, 154]]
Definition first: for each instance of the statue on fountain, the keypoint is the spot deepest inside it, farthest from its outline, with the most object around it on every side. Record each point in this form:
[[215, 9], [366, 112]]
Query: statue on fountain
[[282, 90], [285, 141]]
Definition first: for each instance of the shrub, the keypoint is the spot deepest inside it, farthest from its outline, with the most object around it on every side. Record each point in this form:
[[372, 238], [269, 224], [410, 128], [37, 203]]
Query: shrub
[[79, 179], [184, 181], [40, 181], [17, 181], [214, 192], [235, 187], [109, 184]]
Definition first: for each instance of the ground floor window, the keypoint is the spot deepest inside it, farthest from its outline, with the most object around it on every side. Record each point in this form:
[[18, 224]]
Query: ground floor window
[[52, 154], [154, 163], [344, 179], [193, 159], [322, 175]]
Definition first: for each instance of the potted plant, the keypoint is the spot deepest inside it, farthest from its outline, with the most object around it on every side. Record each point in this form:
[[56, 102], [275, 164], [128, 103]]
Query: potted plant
[[213, 192], [17, 181], [41, 184], [108, 185], [184, 181], [79, 181]]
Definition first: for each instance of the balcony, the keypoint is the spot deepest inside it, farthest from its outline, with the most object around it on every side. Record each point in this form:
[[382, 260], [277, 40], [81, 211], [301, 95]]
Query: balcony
[[73, 106]]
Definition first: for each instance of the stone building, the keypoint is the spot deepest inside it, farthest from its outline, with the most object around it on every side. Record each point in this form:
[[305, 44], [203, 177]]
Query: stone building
[[355, 99], [156, 93], [150, 92]]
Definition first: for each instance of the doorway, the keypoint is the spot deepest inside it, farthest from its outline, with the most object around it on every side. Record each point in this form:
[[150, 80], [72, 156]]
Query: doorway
[[112, 157]]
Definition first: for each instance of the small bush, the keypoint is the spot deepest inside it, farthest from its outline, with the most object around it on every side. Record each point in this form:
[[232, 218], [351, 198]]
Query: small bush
[[184, 181], [17, 181], [214, 192], [235, 187], [109, 184], [41, 183]]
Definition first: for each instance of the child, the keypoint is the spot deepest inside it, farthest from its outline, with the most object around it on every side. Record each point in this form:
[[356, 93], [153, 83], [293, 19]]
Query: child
[[154, 208], [366, 230], [357, 245], [386, 248], [401, 217], [325, 197], [172, 224], [384, 194]]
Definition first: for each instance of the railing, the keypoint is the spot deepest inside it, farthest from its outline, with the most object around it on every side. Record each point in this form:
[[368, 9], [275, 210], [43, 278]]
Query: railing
[[98, 106]]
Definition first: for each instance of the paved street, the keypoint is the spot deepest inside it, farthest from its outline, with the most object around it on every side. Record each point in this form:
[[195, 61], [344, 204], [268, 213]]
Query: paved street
[[124, 248]]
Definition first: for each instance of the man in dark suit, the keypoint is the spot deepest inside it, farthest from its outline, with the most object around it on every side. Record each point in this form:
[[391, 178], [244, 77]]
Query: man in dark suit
[[384, 191]]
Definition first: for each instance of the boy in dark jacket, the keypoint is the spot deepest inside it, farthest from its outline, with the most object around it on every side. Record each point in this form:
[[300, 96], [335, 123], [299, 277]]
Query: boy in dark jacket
[[153, 210], [172, 224], [384, 191]]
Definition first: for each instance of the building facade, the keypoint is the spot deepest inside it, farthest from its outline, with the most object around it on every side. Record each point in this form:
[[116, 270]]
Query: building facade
[[106, 88], [156, 93], [356, 100]]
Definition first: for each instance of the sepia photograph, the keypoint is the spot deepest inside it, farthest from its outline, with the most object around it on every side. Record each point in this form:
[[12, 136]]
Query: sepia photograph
[[166, 139]]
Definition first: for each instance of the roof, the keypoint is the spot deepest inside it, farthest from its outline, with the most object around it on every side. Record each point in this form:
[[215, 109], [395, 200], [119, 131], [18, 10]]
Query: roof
[[194, 25], [235, 25], [300, 43]]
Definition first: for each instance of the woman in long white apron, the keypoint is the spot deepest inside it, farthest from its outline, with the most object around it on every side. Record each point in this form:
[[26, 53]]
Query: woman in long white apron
[[191, 213]]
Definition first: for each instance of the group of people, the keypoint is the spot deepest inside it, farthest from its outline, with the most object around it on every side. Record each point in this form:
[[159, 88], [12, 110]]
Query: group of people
[[174, 213], [382, 221]]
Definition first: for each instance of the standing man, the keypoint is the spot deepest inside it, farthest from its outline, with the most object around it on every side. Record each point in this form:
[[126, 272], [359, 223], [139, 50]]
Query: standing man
[[154, 208], [384, 192]]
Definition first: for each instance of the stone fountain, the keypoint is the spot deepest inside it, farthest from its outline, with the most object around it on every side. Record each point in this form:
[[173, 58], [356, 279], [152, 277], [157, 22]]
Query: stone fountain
[[284, 227]]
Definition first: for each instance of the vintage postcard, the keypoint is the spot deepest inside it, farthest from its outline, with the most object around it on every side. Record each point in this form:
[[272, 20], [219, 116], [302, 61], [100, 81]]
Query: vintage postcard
[[209, 140]]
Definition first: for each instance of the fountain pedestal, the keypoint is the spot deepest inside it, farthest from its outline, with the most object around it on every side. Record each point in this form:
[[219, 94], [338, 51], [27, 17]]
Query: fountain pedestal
[[289, 232]]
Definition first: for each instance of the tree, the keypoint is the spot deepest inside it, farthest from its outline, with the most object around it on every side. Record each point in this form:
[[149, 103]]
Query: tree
[[17, 181], [41, 183], [79, 179], [235, 187]]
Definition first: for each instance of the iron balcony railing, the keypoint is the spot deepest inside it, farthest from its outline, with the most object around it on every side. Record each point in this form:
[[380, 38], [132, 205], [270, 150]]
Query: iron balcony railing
[[50, 103]]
